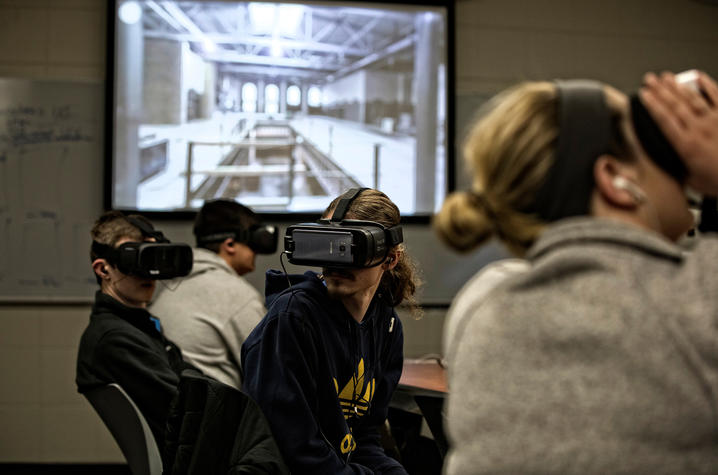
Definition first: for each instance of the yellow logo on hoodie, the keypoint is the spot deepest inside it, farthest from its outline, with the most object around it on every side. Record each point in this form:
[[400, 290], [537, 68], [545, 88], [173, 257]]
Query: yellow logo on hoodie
[[355, 399]]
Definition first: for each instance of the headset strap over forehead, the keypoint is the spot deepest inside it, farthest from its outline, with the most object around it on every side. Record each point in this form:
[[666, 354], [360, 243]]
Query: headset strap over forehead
[[584, 124], [346, 200], [147, 230]]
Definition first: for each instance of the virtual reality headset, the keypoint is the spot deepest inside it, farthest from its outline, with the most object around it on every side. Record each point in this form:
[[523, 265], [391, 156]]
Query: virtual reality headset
[[341, 242], [652, 138], [151, 260], [260, 238]]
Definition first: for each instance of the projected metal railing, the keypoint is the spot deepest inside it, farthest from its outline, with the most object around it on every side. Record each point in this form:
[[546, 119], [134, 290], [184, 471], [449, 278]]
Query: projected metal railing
[[273, 162]]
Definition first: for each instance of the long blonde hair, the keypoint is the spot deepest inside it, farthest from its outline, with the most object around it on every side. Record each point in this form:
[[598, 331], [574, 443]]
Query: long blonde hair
[[510, 149]]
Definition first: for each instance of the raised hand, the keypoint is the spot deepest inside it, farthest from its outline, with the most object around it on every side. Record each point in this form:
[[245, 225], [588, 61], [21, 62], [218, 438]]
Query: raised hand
[[689, 119]]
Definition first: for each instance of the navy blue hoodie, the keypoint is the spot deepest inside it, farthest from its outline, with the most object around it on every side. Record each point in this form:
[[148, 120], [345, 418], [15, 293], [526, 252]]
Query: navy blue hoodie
[[323, 380]]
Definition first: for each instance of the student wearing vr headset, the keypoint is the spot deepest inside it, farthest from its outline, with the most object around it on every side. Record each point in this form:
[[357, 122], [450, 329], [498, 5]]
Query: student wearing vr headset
[[602, 357], [325, 360], [124, 343], [210, 312]]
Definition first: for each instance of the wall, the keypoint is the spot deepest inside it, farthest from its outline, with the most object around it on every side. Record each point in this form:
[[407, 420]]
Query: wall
[[498, 42], [163, 78], [347, 89], [42, 416]]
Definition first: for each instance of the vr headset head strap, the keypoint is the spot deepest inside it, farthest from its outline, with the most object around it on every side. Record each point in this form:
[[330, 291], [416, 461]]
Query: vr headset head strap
[[394, 236], [345, 202], [261, 238], [147, 230], [584, 122], [105, 251], [237, 234]]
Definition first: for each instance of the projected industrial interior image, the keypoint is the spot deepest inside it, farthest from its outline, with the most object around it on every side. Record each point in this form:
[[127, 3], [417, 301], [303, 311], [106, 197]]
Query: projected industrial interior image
[[280, 106]]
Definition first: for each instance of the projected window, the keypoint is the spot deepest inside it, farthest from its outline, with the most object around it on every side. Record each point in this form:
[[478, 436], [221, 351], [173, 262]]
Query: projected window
[[271, 94], [314, 97], [281, 106], [249, 97], [294, 96]]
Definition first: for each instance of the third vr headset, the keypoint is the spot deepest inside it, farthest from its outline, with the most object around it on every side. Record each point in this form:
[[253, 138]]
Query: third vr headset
[[261, 238], [341, 242], [152, 260]]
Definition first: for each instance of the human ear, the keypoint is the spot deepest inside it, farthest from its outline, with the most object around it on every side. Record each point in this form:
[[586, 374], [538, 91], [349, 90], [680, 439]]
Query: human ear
[[228, 245], [623, 183], [392, 260], [616, 183], [99, 266]]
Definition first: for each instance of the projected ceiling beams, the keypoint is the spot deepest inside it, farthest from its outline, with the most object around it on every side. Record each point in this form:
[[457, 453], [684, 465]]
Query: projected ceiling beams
[[360, 34], [271, 72], [387, 52], [164, 15], [263, 42], [179, 15], [299, 63], [341, 45], [324, 31]]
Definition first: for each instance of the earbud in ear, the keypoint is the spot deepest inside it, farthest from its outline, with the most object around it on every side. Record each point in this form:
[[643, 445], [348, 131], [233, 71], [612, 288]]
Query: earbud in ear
[[622, 183]]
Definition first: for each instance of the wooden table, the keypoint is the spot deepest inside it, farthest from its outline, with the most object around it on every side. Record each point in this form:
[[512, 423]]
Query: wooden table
[[424, 380], [424, 376]]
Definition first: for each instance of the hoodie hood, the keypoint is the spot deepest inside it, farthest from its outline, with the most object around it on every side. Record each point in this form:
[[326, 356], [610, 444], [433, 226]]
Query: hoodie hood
[[276, 283]]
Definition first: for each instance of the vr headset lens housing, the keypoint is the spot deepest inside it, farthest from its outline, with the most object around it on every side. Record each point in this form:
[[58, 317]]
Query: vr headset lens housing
[[154, 260], [263, 239], [348, 243]]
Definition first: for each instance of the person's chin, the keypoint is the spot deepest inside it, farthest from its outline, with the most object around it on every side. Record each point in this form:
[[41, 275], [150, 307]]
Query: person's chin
[[337, 275], [146, 292], [336, 290]]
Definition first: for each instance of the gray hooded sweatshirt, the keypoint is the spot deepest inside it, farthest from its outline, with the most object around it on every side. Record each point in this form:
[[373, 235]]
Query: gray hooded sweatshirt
[[602, 358], [209, 313]]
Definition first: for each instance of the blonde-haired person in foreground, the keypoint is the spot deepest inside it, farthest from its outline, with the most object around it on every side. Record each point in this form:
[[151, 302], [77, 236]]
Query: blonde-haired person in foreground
[[603, 356]]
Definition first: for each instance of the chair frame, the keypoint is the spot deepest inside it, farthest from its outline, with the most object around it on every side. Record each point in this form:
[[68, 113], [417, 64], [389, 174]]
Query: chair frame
[[128, 427]]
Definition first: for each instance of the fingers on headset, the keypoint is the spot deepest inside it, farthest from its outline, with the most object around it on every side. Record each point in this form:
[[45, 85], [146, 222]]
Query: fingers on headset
[[660, 110], [709, 88]]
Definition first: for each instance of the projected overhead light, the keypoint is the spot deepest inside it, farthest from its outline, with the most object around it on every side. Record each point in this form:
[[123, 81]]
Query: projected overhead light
[[261, 16], [130, 13], [290, 17], [208, 45], [275, 49], [267, 18]]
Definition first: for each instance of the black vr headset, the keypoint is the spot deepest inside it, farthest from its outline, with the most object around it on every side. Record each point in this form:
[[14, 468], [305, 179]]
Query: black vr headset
[[261, 238], [664, 154], [152, 260], [341, 242]]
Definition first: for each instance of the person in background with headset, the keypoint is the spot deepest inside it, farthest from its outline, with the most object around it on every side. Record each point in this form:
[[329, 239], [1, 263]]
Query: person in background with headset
[[325, 360], [124, 343], [603, 356], [210, 312]]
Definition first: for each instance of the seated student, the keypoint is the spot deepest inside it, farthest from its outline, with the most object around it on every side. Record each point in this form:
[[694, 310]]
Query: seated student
[[123, 342], [210, 312], [602, 357], [325, 360]]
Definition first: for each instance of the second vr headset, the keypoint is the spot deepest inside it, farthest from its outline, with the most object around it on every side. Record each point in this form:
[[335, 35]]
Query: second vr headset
[[261, 238], [152, 260], [341, 242]]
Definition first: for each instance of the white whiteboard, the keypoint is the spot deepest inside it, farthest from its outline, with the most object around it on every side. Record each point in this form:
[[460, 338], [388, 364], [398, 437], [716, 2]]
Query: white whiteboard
[[51, 161]]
